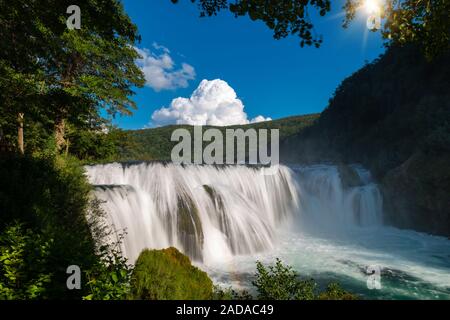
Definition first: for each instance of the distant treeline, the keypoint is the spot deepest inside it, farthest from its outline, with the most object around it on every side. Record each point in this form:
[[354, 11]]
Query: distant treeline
[[155, 144]]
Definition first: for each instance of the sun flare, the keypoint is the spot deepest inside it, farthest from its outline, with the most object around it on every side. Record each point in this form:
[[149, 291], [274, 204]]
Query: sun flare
[[372, 6]]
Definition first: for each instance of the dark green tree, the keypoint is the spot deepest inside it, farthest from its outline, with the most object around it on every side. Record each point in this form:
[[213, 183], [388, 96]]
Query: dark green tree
[[95, 63], [284, 17], [77, 72], [21, 76]]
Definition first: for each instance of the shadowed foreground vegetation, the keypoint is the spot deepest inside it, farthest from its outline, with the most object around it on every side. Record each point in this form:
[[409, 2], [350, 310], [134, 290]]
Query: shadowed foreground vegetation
[[48, 222]]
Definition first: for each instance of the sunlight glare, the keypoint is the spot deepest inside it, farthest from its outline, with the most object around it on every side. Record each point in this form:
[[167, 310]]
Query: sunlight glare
[[372, 6]]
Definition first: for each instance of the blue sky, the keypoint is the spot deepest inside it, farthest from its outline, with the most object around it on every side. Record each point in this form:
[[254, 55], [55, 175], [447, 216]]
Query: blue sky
[[273, 78]]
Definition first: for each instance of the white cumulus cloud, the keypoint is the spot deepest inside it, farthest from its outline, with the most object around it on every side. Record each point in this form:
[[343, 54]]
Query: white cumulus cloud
[[214, 102], [160, 71]]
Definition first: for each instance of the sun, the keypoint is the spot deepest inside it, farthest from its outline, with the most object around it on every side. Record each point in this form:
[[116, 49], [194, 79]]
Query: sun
[[372, 6]]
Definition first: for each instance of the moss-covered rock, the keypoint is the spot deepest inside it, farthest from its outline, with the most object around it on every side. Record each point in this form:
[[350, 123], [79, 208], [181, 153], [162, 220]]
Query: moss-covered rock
[[168, 275]]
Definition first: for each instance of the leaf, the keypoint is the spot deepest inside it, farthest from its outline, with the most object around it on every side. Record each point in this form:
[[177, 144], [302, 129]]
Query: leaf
[[88, 297], [114, 277]]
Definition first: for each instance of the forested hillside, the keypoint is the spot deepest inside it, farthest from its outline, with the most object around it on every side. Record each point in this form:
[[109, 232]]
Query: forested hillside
[[155, 144], [393, 116]]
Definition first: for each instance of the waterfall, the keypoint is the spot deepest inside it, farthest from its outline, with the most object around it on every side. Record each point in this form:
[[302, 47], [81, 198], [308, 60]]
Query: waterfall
[[328, 205], [212, 213]]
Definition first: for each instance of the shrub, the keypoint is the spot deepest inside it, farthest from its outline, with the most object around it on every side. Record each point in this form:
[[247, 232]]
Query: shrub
[[168, 275], [281, 282], [335, 292], [229, 293], [110, 278]]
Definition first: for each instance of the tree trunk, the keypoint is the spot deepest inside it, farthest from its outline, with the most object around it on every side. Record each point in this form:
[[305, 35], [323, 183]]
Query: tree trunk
[[20, 133], [67, 146], [60, 129]]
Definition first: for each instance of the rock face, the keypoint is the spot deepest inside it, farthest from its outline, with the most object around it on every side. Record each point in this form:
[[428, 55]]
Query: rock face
[[416, 194]]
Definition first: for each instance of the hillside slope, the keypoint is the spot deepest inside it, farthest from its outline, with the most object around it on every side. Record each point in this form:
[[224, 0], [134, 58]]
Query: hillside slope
[[393, 116], [155, 144]]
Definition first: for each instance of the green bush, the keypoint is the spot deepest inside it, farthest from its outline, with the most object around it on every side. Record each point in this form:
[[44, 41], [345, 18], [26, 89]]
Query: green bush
[[229, 293], [168, 275], [110, 278], [335, 292], [281, 282]]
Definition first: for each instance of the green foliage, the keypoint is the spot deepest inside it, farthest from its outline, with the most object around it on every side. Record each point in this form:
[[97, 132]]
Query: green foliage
[[168, 274], [229, 293], [50, 196], [110, 277], [96, 143], [281, 282], [335, 292], [23, 258], [284, 17], [424, 23], [58, 77]]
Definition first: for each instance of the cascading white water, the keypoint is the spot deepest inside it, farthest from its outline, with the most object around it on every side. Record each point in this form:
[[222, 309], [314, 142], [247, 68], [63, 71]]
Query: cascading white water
[[328, 205], [213, 213], [207, 212]]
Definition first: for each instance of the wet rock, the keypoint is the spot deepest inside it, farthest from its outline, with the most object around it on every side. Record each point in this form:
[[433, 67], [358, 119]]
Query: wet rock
[[349, 176]]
